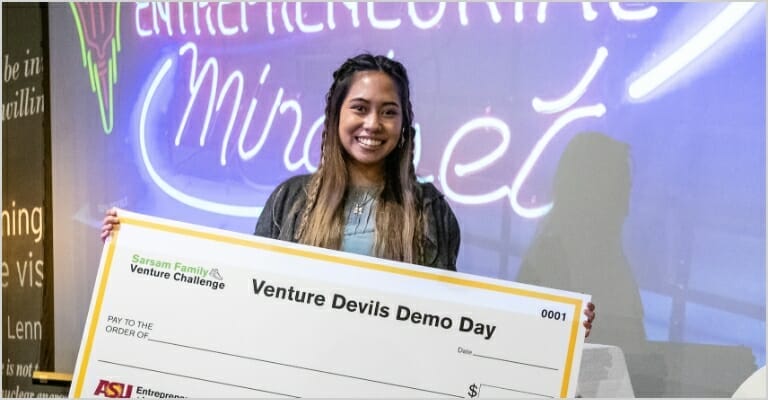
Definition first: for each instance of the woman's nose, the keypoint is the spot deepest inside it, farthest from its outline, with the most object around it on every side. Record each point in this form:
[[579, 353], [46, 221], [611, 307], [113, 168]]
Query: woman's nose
[[371, 121]]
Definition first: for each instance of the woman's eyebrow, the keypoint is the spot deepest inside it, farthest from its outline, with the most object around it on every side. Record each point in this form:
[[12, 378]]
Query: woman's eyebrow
[[364, 100]]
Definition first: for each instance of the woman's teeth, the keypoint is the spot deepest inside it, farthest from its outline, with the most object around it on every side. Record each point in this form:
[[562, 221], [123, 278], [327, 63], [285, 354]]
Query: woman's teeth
[[369, 142]]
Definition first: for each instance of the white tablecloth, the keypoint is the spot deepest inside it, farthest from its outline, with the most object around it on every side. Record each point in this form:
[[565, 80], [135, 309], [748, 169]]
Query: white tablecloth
[[603, 373]]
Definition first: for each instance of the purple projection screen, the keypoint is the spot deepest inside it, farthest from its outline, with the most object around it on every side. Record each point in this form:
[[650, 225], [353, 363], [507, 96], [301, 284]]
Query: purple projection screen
[[196, 111]]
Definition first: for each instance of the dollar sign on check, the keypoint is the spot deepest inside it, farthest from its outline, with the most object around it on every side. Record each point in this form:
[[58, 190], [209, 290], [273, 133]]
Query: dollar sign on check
[[473, 390]]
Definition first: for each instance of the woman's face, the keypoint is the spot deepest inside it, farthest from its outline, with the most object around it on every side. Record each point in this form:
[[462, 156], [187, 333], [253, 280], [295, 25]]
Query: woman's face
[[371, 119]]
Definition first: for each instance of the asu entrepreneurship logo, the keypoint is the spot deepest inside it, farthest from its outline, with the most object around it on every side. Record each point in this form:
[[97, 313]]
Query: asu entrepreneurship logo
[[98, 27], [114, 390]]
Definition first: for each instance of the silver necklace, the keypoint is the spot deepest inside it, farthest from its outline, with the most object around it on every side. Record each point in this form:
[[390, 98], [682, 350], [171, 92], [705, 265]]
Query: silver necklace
[[360, 201]]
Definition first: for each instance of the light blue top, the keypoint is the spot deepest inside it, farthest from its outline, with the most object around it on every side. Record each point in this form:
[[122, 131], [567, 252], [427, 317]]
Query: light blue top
[[360, 227]]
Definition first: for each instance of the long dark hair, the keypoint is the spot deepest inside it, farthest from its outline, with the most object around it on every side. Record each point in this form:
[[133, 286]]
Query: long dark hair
[[399, 219]]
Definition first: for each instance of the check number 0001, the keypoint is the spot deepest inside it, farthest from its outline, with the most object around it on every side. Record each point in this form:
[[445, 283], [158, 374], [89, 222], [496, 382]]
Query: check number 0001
[[556, 315]]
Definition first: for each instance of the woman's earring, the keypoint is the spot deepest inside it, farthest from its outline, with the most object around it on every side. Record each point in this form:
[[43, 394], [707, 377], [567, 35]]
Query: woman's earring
[[402, 139]]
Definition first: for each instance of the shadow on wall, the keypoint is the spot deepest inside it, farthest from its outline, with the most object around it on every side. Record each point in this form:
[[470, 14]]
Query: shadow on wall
[[578, 247]]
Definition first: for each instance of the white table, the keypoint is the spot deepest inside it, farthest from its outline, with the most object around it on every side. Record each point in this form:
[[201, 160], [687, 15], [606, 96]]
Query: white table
[[604, 372], [753, 387]]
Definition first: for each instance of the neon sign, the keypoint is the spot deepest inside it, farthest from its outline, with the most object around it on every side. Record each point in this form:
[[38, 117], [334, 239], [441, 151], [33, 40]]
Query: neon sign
[[98, 28], [229, 19], [213, 92]]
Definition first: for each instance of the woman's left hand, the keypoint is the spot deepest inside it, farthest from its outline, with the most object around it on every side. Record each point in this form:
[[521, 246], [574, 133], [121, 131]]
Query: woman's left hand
[[590, 313]]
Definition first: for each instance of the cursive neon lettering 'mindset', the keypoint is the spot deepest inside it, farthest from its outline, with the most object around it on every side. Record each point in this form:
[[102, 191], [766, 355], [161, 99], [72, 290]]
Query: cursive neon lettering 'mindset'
[[232, 93]]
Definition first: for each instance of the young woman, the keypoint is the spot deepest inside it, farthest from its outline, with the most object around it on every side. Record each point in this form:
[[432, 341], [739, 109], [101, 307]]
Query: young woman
[[364, 197]]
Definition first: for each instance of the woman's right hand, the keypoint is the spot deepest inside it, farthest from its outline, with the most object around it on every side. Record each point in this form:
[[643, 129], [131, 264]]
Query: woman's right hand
[[110, 222]]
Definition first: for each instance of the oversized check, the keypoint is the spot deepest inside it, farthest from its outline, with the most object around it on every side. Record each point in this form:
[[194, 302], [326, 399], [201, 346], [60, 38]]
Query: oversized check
[[183, 310]]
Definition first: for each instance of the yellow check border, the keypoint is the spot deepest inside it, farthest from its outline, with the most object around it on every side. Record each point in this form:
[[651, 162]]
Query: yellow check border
[[217, 237], [96, 312]]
